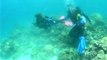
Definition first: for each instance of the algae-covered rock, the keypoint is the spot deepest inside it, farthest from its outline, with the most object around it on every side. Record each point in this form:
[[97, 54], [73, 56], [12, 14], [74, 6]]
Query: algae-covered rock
[[97, 50], [100, 56]]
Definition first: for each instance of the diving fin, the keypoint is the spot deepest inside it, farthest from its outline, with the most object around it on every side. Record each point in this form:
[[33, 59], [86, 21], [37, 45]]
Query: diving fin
[[82, 45]]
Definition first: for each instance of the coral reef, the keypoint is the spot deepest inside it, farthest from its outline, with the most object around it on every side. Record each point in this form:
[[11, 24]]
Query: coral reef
[[96, 30], [97, 50], [68, 54]]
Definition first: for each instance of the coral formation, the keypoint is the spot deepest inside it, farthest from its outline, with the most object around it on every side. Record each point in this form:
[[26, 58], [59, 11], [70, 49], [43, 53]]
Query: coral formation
[[68, 54], [97, 50]]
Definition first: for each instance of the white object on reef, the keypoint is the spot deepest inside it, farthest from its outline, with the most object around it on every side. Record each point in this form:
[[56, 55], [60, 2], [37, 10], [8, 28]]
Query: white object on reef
[[68, 23], [62, 18]]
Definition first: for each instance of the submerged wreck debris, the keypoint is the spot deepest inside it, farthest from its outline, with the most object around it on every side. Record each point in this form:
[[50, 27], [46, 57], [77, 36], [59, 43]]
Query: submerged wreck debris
[[7, 49]]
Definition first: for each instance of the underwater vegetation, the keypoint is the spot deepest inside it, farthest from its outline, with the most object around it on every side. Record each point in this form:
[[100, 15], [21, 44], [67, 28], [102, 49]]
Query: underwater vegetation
[[55, 43]]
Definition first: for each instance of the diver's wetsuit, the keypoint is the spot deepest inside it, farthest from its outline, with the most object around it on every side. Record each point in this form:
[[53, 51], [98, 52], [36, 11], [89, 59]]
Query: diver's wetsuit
[[44, 21], [79, 29]]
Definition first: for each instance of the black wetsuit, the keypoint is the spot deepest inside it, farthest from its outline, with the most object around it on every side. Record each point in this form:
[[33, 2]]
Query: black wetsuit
[[79, 29]]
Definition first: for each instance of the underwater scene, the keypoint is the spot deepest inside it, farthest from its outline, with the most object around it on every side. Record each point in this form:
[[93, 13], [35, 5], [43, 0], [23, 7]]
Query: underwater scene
[[53, 29]]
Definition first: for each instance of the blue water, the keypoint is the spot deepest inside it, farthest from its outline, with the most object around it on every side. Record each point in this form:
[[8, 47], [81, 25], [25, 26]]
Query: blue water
[[15, 13], [92, 6], [21, 12], [17, 18]]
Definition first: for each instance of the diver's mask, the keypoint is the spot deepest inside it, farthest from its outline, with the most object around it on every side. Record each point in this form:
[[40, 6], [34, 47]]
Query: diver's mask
[[78, 16]]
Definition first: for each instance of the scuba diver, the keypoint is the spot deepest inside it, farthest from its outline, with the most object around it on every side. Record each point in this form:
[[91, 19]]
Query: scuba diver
[[73, 12], [78, 32], [44, 21], [78, 22]]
